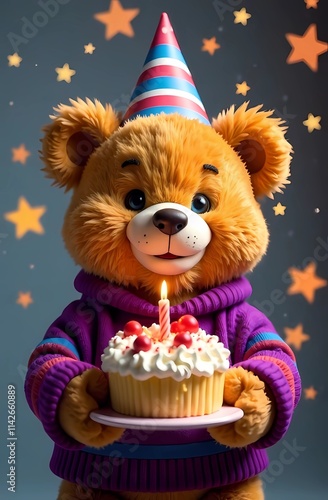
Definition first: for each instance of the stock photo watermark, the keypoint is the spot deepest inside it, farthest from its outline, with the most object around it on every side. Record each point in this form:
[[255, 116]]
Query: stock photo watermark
[[278, 296], [221, 7], [47, 9], [287, 456]]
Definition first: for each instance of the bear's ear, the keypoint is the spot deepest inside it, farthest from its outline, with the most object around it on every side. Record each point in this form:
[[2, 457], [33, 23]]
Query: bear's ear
[[260, 141], [75, 132]]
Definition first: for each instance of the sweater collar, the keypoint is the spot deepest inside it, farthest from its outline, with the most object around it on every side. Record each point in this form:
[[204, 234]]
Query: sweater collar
[[215, 299]]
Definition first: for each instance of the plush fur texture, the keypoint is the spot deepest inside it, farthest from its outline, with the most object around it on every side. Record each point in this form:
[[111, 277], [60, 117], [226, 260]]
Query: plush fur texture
[[246, 490], [245, 390], [85, 149], [172, 151], [84, 394]]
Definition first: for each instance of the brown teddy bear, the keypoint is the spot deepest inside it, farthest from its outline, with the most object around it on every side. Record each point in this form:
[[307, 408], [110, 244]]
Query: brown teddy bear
[[201, 230]]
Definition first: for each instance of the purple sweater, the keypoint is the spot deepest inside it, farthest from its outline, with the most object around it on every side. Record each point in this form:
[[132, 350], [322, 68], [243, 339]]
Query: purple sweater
[[151, 460]]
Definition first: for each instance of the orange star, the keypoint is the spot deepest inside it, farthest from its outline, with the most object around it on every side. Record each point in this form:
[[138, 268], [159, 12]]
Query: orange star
[[26, 218], [89, 49], [20, 154], [311, 4], [24, 299], [242, 88], [306, 48], [14, 60], [279, 209], [210, 45], [117, 20], [295, 336], [310, 393], [305, 282]]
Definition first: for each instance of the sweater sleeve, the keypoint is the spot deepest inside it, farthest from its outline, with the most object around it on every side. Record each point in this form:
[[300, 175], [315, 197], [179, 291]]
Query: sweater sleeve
[[65, 352], [262, 351]]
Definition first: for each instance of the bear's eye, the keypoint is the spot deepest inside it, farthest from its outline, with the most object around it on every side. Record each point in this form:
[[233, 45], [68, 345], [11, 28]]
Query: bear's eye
[[200, 204], [135, 200]]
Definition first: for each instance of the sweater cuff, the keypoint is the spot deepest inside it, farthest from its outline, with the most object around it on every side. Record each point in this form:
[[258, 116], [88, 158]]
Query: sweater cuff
[[273, 376], [55, 381]]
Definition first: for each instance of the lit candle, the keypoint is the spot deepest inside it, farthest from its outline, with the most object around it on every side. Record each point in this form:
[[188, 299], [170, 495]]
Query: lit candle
[[164, 313]]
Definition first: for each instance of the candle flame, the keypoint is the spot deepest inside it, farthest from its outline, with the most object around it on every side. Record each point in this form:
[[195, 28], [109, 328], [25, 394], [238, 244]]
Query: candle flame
[[164, 290]]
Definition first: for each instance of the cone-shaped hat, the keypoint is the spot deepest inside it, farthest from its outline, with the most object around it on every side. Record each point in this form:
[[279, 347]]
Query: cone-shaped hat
[[165, 84]]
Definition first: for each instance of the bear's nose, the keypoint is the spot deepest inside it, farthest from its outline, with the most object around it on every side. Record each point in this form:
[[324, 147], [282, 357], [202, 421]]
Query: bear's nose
[[170, 220]]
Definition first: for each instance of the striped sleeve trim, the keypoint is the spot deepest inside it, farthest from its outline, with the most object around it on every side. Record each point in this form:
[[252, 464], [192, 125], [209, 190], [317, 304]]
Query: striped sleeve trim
[[266, 340], [38, 379], [271, 374], [283, 367], [55, 345]]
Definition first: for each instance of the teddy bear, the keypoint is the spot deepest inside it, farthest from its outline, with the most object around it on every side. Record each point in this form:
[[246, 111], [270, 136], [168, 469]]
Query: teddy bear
[[141, 185]]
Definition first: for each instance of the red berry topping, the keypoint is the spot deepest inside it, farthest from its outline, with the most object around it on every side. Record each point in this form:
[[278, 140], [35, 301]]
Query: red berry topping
[[175, 327], [132, 328], [142, 343], [188, 323], [183, 338]]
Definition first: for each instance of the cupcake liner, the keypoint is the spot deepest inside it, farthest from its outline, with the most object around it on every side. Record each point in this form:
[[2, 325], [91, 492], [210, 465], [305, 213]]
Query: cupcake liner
[[166, 397]]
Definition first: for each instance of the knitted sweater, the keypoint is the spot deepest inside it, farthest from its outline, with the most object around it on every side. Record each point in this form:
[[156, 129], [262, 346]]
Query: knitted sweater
[[152, 460]]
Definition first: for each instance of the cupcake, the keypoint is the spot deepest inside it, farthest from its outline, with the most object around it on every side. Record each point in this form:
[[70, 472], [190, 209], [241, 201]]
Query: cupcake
[[181, 375]]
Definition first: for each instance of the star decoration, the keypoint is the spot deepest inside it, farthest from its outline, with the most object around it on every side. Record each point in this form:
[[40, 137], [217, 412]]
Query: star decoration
[[241, 16], [26, 218], [65, 73], [14, 60], [117, 20], [210, 45], [242, 88], [306, 48], [279, 209], [89, 49], [296, 336], [311, 4], [24, 299], [305, 282], [20, 154], [312, 122], [310, 393]]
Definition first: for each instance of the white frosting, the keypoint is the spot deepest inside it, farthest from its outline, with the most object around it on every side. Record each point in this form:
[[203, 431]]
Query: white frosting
[[205, 356]]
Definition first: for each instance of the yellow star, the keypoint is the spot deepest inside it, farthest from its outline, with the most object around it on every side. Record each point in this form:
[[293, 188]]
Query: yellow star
[[310, 393], [117, 20], [24, 299], [210, 45], [242, 88], [306, 48], [65, 73], [279, 209], [89, 49], [305, 282], [241, 16], [296, 336], [26, 218], [20, 154], [311, 4], [312, 122], [14, 60]]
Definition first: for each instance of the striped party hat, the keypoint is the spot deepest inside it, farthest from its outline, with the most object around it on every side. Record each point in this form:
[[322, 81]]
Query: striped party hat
[[165, 84]]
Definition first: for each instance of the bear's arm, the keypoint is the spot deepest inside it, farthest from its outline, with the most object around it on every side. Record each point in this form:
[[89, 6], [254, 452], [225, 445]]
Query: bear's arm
[[259, 349], [65, 352]]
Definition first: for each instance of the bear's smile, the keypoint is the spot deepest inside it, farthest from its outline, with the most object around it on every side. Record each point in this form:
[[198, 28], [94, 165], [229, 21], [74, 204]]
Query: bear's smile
[[168, 238], [169, 255]]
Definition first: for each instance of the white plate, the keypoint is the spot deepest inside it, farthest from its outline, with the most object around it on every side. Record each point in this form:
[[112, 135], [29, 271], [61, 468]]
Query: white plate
[[225, 415]]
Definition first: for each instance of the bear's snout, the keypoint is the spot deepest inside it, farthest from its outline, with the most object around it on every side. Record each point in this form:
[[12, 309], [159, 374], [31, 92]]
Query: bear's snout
[[170, 220]]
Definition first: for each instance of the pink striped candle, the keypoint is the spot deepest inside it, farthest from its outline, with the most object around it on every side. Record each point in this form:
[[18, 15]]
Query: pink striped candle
[[164, 313]]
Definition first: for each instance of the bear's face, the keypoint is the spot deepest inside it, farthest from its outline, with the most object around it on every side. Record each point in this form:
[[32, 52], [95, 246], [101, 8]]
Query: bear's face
[[164, 197]]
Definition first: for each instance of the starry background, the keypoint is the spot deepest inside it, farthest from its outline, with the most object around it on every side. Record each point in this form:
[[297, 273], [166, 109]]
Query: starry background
[[267, 53]]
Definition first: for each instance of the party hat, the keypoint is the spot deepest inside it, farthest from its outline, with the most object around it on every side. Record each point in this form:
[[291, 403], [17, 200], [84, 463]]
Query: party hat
[[165, 84]]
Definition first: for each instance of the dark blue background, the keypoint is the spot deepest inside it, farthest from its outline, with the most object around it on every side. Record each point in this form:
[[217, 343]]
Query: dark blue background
[[39, 263]]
